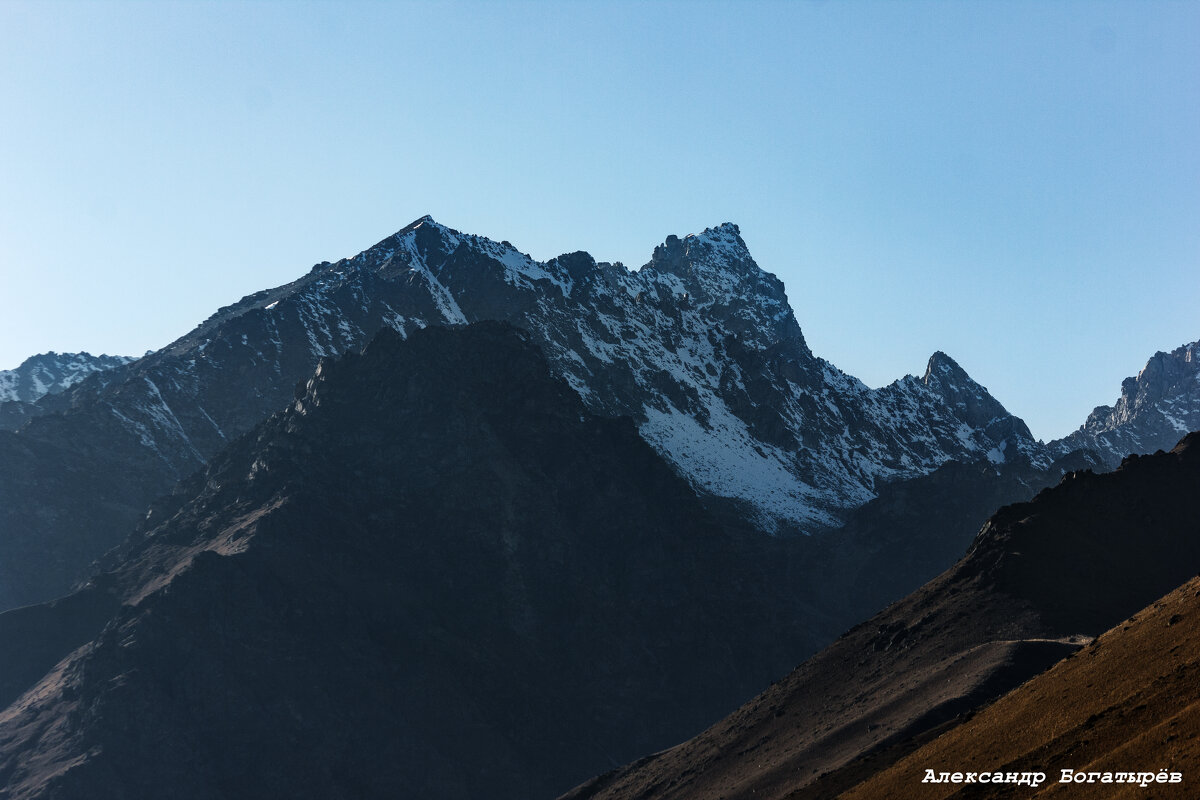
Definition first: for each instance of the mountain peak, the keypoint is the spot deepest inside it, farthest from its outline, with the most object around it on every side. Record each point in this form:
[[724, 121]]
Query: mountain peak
[[943, 367], [675, 253], [724, 231], [975, 406], [715, 270], [426, 221], [713, 264], [422, 234], [1155, 408], [418, 222]]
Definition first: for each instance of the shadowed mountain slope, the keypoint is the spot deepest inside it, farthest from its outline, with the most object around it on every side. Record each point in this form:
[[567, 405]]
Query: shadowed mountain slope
[[434, 575], [1040, 579], [916, 528]]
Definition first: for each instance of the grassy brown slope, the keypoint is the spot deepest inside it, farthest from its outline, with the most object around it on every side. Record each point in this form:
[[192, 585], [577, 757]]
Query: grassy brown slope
[[1041, 577], [1130, 701]]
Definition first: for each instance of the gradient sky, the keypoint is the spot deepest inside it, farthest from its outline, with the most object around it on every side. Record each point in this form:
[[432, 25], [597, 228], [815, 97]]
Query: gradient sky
[[1017, 184]]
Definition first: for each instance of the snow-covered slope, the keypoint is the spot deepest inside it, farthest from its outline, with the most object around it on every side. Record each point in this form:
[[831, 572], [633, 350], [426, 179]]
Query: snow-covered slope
[[49, 373], [699, 346], [1156, 408]]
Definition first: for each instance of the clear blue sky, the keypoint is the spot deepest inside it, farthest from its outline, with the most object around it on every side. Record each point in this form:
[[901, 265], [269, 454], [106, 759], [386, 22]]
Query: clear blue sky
[[1017, 184]]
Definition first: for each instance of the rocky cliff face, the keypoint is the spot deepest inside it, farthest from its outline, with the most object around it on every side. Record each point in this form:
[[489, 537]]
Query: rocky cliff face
[[1156, 407], [699, 347], [436, 574]]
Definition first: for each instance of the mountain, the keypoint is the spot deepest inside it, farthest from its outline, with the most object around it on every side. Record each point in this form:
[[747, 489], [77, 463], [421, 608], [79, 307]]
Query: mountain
[[1041, 579], [916, 528], [699, 347], [45, 374], [435, 574], [1127, 703], [1156, 407]]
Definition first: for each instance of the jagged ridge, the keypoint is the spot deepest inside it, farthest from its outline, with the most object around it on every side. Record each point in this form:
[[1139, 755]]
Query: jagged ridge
[[1156, 407], [699, 346]]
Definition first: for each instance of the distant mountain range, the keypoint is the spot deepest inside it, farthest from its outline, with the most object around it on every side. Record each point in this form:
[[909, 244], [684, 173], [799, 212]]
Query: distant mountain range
[[699, 347]]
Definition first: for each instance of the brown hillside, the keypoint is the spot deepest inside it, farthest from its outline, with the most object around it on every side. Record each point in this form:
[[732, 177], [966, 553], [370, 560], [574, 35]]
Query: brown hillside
[[1130, 701]]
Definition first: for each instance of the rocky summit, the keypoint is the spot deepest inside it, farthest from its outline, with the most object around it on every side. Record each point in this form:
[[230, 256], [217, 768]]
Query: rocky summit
[[699, 347], [1156, 407]]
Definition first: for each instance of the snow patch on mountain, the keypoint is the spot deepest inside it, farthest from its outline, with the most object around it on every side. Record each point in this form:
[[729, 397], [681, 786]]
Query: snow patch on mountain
[[724, 459]]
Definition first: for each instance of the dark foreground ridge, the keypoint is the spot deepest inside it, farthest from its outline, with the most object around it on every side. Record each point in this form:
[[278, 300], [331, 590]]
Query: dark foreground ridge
[[434, 575], [1042, 579]]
